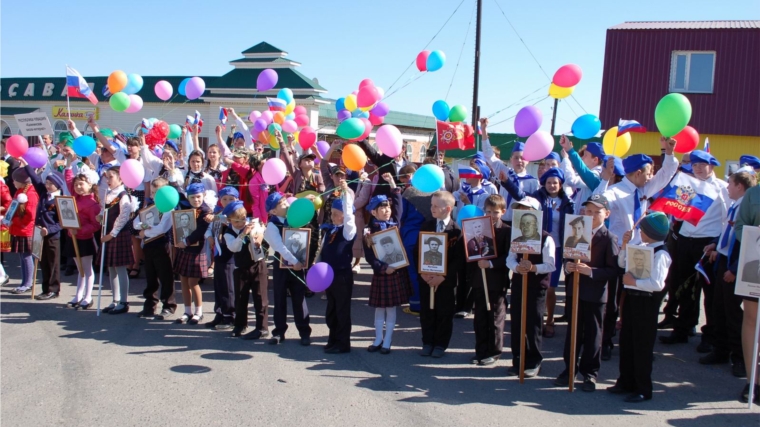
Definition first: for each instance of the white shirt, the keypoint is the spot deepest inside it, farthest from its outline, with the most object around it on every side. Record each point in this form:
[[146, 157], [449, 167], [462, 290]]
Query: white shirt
[[581, 192], [711, 224], [209, 183], [274, 238], [163, 227], [127, 205], [547, 253], [656, 281], [349, 221], [153, 165], [438, 228], [728, 226], [529, 186], [234, 244]]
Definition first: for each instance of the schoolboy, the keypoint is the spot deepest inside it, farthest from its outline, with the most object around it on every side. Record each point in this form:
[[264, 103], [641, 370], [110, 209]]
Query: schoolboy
[[224, 263]]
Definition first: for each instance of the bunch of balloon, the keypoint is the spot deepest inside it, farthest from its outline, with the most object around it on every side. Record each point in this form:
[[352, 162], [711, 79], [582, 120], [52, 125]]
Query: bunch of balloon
[[361, 110], [123, 88], [563, 85]]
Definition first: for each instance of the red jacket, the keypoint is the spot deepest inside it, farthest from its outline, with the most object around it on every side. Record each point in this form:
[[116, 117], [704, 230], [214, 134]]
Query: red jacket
[[259, 192], [87, 208], [5, 195], [23, 225]]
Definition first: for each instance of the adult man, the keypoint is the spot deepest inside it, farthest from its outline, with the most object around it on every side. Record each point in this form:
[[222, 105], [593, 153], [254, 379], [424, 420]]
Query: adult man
[[529, 229], [433, 256], [639, 269], [151, 219], [479, 245], [389, 249], [184, 226], [578, 225]]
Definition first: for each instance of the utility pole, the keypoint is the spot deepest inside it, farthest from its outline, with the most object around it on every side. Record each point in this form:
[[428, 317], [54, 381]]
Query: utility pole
[[475, 112], [554, 115]]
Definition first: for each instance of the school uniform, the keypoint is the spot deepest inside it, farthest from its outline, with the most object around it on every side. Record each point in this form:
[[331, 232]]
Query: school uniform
[[249, 278], [47, 217], [224, 272], [191, 260], [118, 206], [527, 183], [158, 266]]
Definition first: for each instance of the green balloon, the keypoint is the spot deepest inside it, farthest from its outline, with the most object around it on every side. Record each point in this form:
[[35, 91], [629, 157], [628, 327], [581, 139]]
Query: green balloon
[[672, 114], [457, 114], [119, 101], [166, 198], [174, 131], [300, 213], [351, 128]]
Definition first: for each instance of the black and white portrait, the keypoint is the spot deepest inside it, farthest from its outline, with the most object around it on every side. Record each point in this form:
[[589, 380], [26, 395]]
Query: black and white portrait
[[748, 282], [37, 242], [184, 224], [433, 253], [296, 240], [67, 211], [526, 232], [11, 211], [577, 237], [150, 217], [639, 260], [478, 237], [388, 248]]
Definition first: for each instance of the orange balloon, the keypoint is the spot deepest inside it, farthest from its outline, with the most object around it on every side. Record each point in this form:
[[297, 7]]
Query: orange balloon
[[279, 117], [263, 137], [117, 81], [354, 157]]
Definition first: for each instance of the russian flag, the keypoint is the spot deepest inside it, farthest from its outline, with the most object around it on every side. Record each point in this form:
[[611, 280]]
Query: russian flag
[[77, 86], [223, 116], [468, 172], [701, 270], [276, 104], [707, 148], [686, 198], [625, 126]]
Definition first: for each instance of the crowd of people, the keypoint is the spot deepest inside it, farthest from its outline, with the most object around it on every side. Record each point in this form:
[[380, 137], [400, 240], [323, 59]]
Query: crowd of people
[[233, 219]]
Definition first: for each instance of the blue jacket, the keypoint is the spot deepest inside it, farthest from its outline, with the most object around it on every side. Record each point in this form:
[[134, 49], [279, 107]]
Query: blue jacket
[[47, 213]]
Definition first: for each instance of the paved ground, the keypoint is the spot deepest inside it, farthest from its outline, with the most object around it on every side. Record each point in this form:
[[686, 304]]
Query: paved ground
[[62, 367]]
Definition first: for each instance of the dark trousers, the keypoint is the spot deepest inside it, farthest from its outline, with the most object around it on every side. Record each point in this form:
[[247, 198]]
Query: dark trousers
[[254, 282], [465, 297], [588, 338], [637, 342], [611, 311], [158, 272], [671, 307], [727, 313], [689, 282], [536, 306], [489, 325], [293, 281], [224, 288], [51, 264], [437, 324], [338, 313]]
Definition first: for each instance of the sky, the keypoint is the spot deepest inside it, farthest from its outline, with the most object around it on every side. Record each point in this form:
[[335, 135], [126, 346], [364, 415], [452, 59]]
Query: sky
[[341, 43]]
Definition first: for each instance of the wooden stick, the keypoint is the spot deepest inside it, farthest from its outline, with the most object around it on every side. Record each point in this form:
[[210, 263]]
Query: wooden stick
[[523, 319], [34, 275], [432, 298], [753, 371], [574, 327], [79, 259], [102, 256], [485, 289]]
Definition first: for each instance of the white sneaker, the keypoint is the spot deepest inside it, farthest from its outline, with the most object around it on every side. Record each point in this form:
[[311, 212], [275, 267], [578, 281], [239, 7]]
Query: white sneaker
[[356, 269], [5, 280]]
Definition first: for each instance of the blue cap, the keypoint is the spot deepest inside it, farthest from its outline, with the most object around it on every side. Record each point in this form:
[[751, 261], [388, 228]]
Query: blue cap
[[337, 204], [376, 201], [519, 146], [196, 188], [232, 207], [699, 156], [57, 180], [237, 135], [229, 191], [635, 162], [482, 165], [618, 168], [272, 201], [171, 145], [553, 156], [749, 160], [553, 173], [686, 168], [596, 150]]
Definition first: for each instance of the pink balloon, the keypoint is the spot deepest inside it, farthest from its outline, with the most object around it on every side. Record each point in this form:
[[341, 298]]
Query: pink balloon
[[302, 120], [135, 104], [254, 116], [307, 137], [568, 75], [195, 88], [538, 146], [388, 140], [132, 173], [273, 171], [163, 90], [268, 116], [291, 199], [366, 82], [528, 121], [290, 126], [422, 60], [376, 120], [367, 97], [367, 130], [300, 110], [380, 110]]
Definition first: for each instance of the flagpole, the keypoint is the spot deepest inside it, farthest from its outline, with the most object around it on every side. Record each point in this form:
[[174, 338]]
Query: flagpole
[[614, 146], [68, 104]]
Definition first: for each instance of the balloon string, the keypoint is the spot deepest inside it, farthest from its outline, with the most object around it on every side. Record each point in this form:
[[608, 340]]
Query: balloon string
[[180, 105], [461, 51]]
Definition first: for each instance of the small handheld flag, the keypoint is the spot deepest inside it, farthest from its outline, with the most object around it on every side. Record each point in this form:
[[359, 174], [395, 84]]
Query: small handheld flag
[[223, 116], [707, 147], [701, 269], [625, 126], [276, 104], [468, 172], [77, 86]]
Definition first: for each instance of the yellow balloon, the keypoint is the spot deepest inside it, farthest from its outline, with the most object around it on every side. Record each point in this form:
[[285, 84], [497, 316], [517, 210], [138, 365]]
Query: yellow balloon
[[273, 142], [619, 148], [560, 92], [365, 109], [350, 102], [290, 107], [296, 134]]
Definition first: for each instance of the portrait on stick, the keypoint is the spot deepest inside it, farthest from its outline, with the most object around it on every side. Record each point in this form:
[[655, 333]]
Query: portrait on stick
[[433, 253]]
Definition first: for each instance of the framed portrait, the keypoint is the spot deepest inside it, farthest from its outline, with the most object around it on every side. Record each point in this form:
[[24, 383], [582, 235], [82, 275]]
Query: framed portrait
[[256, 248], [479, 238], [639, 260], [577, 244], [149, 217], [37, 242], [297, 241], [433, 253], [11, 211], [183, 224], [526, 232], [68, 216], [388, 248], [748, 280]]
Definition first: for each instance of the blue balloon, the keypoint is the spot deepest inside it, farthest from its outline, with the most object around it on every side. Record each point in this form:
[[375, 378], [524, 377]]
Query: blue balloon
[[340, 104], [586, 126], [134, 84], [182, 85], [428, 178], [290, 116], [441, 110], [435, 60], [360, 114], [83, 146], [467, 212], [286, 95]]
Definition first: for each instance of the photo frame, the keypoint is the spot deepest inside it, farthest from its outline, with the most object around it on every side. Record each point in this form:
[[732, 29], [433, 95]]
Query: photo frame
[[433, 253], [37, 240], [748, 272], [388, 248], [639, 261], [527, 227], [10, 212], [478, 238], [183, 224], [68, 216], [256, 248], [297, 241], [150, 217], [577, 244]]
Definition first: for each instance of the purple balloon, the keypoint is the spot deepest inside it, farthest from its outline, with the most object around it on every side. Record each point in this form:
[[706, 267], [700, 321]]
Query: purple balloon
[[195, 88], [259, 125], [528, 121], [343, 115], [35, 157], [323, 146], [319, 277], [380, 110], [267, 80]]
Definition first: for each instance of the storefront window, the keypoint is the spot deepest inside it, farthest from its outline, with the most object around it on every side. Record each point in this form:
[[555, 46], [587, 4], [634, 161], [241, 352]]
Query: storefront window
[[6, 129]]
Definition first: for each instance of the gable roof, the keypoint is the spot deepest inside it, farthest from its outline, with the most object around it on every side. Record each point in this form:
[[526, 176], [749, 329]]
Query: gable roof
[[245, 78], [264, 47], [686, 25]]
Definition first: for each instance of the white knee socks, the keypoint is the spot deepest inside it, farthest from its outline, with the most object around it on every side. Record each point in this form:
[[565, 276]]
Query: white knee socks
[[85, 284], [384, 316]]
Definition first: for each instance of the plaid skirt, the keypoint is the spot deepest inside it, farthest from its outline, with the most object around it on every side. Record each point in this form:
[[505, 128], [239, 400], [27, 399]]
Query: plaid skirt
[[119, 251], [86, 247], [21, 244], [188, 264], [390, 290]]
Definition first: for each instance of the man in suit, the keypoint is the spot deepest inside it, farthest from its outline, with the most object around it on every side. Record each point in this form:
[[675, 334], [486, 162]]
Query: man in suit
[[391, 256], [433, 256], [529, 229], [479, 245], [639, 269], [578, 225]]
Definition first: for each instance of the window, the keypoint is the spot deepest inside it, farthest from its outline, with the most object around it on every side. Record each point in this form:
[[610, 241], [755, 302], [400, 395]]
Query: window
[[692, 72], [7, 133], [58, 127], [423, 152], [408, 149]]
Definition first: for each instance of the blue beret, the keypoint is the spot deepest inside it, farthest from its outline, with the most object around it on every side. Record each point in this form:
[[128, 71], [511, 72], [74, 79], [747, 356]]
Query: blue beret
[[553, 156], [237, 135], [376, 201], [482, 165], [635, 162], [171, 145], [337, 204], [686, 168], [196, 188], [519, 146], [749, 160], [232, 207], [596, 149], [57, 180], [699, 156], [619, 170], [229, 191], [553, 172], [272, 201]]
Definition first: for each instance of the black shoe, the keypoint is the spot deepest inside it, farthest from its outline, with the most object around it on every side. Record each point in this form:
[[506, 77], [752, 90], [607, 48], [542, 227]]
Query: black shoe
[[336, 350], [46, 296], [674, 338], [109, 308], [120, 309], [667, 323], [714, 358], [384, 350], [705, 347], [532, 372], [562, 319], [744, 397], [738, 369], [212, 324], [607, 351], [474, 360], [19, 291], [306, 341], [238, 332], [487, 361], [255, 334], [438, 352], [84, 305], [196, 319], [636, 398], [69, 271], [616, 389], [308, 294], [183, 319], [276, 339], [224, 326], [514, 370], [427, 350], [74, 304], [146, 314], [589, 384], [375, 348], [563, 380]]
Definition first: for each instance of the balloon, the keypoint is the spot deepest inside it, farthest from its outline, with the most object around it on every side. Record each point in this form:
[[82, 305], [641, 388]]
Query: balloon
[[119, 101], [267, 80], [166, 198], [274, 128], [611, 148], [457, 114], [528, 121], [300, 110], [268, 116], [135, 104], [17, 146], [343, 115], [82, 146], [300, 212], [467, 212], [289, 108], [323, 147], [382, 109], [195, 88], [560, 92], [350, 128], [302, 120], [359, 114], [259, 125], [365, 82], [318, 202], [132, 173], [538, 146], [567, 76], [381, 91], [428, 178], [350, 102], [272, 141], [422, 60], [340, 104], [286, 95], [117, 81], [279, 117], [354, 157], [441, 110], [388, 140], [672, 114], [376, 120], [134, 84], [586, 126], [291, 199], [35, 157], [183, 86], [254, 116], [163, 90], [174, 131], [686, 140], [263, 136], [274, 171], [289, 126], [307, 137], [319, 277], [367, 97], [435, 60], [367, 130]]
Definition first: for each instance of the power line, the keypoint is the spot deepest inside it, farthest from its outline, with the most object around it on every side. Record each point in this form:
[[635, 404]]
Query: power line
[[461, 51]]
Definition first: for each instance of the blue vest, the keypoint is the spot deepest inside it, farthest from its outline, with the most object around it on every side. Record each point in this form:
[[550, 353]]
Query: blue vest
[[337, 251]]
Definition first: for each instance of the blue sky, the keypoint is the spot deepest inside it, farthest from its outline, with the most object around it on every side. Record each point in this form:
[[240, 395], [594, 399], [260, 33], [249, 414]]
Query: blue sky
[[342, 43]]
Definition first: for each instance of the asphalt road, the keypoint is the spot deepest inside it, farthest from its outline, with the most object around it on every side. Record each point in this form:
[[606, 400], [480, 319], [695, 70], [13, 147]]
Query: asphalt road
[[63, 367]]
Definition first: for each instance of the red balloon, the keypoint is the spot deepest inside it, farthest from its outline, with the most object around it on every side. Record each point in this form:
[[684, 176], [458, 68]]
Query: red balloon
[[422, 60], [366, 82], [367, 97], [307, 137], [376, 120], [687, 140], [17, 146], [567, 76], [302, 120]]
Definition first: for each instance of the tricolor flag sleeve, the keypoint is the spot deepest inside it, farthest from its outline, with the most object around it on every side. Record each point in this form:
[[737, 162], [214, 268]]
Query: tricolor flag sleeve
[[685, 198], [276, 104], [468, 172], [77, 86], [625, 126], [223, 116]]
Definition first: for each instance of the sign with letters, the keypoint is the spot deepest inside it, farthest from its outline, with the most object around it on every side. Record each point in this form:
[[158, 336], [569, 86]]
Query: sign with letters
[[34, 124], [60, 112]]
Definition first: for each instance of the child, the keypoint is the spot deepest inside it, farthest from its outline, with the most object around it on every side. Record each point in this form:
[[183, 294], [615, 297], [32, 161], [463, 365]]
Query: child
[[22, 226], [489, 324], [438, 323], [224, 281], [641, 309], [476, 188], [284, 279], [5, 203], [538, 267], [196, 175], [191, 263], [119, 206], [47, 219], [337, 250], [258, 189]]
